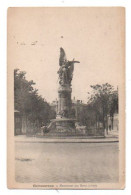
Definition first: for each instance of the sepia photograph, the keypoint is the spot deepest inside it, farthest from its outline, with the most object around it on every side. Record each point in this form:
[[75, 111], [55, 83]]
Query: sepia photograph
[[66, 97]]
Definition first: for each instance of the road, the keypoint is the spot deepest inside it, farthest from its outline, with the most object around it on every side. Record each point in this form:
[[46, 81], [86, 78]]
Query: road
[[66, 162]]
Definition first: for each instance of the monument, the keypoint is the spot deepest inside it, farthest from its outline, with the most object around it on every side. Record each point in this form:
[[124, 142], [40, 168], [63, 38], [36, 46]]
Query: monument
[[65, 123], [65, 118]]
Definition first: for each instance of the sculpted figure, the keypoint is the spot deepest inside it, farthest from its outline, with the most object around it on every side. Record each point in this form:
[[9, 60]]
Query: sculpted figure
[[66, 69]]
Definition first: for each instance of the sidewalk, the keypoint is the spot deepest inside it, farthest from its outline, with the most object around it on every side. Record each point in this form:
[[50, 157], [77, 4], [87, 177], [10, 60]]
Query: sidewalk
[[25, 139]]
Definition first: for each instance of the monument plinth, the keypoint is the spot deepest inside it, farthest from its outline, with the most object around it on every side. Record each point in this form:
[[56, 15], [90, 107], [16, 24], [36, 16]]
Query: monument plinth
[[64, 101], [65, 120]]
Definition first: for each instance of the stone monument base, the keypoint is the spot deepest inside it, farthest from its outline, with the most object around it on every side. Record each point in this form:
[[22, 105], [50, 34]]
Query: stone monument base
[[67, 127], [63, 127], [64, 124]]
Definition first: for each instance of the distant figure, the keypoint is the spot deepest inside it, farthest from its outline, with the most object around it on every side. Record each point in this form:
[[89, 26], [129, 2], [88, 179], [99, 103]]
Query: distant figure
[[110, 127], [44, 130]]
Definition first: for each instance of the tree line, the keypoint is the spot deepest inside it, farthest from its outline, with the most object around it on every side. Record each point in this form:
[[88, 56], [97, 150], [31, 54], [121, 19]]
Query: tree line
[[28, 102], [102, 103]]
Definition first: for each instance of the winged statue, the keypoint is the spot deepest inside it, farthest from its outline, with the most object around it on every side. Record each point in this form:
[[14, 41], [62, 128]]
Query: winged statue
[[66, 69]]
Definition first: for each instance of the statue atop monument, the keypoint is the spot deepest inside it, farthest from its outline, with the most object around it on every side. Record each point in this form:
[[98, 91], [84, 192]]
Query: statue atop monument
[[66, 69]]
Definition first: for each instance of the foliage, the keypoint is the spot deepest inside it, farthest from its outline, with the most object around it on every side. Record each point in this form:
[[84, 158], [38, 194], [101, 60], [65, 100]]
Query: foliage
[[27, 100], [104, 101]]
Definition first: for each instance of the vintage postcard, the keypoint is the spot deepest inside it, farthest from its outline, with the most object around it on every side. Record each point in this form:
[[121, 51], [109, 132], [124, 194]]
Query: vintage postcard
[[66, 97]]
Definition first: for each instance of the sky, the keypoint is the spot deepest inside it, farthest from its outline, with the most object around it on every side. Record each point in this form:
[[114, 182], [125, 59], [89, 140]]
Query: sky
[[93, 36]]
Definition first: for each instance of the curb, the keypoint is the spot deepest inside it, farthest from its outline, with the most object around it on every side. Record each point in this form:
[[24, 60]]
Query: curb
[[68, 141]]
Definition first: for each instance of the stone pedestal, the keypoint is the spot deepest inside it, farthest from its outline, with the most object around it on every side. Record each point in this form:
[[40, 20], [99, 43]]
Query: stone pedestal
[[64, 119], [64, 102], [63, 127]]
